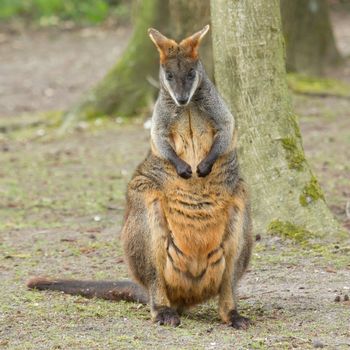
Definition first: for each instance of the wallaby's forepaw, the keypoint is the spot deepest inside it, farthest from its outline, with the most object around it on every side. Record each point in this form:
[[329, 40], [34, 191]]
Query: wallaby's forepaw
[[204, 168], [167, 316], [184, 170], [237, 321]]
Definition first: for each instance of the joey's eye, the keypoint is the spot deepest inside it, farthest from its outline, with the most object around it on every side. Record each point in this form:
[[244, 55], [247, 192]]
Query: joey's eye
[[169, 76], [191, 74]]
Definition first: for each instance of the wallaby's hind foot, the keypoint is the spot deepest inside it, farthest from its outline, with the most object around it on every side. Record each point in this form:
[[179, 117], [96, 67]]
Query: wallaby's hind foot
[[167, 316], [237, 321]]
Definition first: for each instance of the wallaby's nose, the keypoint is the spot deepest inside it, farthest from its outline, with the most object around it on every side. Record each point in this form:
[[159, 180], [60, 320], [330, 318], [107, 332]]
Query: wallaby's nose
[[182, 100]]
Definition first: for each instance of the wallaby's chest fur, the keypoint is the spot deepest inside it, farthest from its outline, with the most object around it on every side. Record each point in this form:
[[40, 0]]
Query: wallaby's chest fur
[[192, 137]]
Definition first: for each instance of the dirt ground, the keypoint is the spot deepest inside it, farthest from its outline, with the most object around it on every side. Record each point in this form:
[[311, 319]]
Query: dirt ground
[[49, 69], [61, 207]]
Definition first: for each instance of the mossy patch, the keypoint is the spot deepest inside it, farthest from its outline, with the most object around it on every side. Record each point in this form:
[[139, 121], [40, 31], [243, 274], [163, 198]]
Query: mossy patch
[[311, 192], [295, 155], [286, 229], [293, 119], [317, 86]]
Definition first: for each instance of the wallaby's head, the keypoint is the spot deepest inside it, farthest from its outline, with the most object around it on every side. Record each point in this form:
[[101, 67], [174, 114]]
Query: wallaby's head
[[180, 69]]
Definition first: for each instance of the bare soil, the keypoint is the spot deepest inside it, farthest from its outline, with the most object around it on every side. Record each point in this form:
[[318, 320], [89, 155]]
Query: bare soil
[[61, 208], [49, 69]]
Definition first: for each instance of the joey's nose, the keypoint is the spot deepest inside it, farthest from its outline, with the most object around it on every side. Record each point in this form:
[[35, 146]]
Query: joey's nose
[[182, 100]]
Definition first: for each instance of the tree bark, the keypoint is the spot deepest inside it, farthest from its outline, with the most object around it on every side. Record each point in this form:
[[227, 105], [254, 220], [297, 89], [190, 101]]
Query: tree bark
[[250, 74], [126, 90], [309, 38]]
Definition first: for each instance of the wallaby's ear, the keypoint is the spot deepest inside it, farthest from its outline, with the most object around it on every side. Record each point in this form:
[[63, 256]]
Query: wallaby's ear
[[190, 45], [166, 47]]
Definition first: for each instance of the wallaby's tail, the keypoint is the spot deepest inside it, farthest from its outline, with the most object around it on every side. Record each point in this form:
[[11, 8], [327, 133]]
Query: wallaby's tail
[[120, 290]]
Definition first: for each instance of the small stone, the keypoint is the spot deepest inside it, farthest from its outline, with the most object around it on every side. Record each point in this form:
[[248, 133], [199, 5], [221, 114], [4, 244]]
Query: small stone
[[337, 299], [49, 92], [98, 122], [346, 297], [40, 132], [317, 344], [82, 125]]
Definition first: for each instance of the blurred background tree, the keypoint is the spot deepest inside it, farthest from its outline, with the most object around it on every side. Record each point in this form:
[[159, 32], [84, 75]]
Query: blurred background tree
[[310, 43]]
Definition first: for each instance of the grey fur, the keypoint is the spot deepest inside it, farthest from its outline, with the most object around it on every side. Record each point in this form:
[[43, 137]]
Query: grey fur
[[202, 96]]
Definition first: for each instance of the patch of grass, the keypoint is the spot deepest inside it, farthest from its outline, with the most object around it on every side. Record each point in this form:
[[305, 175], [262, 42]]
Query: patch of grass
[[288, 230], [50, 12], [311, 192], [34, 186], [317, 86]]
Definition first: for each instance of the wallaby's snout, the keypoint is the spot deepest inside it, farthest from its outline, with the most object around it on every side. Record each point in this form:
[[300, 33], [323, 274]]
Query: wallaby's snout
[[180, 69], [182, 100]]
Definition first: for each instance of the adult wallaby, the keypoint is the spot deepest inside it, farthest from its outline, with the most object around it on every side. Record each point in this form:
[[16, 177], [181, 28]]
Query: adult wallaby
[[187, 234]]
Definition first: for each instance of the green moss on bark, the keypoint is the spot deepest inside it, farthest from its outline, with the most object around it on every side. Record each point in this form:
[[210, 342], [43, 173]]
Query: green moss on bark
[[295, 125], [311, 192], [295, 155], [286, 229]]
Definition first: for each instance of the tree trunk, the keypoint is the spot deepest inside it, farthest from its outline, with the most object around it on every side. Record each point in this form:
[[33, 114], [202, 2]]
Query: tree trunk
[[126, 90], [250, 74], [309, 37]]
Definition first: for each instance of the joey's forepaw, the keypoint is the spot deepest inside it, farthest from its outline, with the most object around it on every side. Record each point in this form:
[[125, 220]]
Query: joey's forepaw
[[204, 169], [237, 321], [184, 170], [168, 317]]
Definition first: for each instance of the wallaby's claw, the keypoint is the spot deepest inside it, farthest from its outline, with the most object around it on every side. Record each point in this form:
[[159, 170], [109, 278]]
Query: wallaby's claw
[[238, 321], [204, 169], [168, 317], [184, 170]]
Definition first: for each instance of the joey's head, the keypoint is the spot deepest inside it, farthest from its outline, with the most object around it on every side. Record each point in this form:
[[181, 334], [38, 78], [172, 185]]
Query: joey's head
[[180, 69]]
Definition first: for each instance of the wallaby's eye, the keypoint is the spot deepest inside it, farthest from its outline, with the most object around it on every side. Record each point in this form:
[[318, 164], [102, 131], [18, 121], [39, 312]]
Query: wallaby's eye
[[191, 74], [169, 76]]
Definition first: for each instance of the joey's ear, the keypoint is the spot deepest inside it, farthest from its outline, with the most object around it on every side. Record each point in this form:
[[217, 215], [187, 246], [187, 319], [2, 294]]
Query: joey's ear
[[190, 45], [166, 47]]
